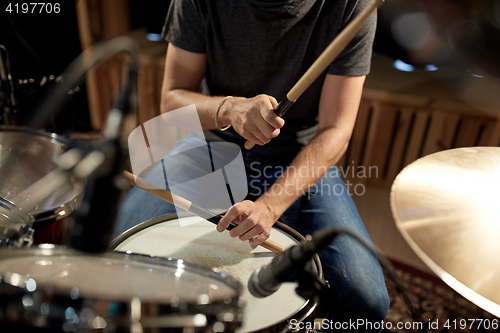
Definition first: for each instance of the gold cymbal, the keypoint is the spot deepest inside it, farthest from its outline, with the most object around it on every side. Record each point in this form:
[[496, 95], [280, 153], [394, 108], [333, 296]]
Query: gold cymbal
[[447, 207]]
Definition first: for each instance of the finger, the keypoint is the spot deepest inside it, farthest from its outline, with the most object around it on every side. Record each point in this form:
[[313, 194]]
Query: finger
[[250, 234], [266, 131], [253, 232], [264, 110], [272, 119], [231, 215], [247, 134], [274, 102], [258, 239], [250, 222], [254, 134]]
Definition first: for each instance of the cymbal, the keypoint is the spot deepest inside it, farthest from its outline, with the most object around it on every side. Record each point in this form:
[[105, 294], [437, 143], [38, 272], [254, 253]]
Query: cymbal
[[447, 207]]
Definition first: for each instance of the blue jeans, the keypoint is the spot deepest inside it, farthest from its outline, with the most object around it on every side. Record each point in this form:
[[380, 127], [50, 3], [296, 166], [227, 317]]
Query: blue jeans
[[350, 269]]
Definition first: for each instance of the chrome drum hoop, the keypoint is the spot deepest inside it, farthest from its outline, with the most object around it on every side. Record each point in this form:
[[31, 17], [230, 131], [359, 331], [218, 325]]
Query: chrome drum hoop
[[15, 226]]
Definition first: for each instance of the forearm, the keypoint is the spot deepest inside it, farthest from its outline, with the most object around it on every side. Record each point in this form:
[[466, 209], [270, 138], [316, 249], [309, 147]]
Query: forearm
[[337, 113], [309, 166], [336, 117], [206, 106]]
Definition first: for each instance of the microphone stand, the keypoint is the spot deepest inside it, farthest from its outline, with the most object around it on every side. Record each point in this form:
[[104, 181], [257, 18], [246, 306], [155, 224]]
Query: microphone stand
[[101, 163], [312, 287], [9, 85], [74, 75], [96, 216]]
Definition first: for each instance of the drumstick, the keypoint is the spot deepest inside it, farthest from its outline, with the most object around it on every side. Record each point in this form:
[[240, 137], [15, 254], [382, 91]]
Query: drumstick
[[188, 206], [323, 61]]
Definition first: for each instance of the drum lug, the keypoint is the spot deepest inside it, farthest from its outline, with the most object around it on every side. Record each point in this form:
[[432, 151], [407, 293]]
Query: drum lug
[[27, 240]]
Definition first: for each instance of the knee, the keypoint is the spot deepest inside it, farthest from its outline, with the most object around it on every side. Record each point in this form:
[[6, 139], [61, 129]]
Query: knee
[[372, 305], [362, 294]]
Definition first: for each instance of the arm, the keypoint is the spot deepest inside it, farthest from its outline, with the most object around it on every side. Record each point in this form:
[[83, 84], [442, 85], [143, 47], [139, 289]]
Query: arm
[[252, 118], [339, 103]]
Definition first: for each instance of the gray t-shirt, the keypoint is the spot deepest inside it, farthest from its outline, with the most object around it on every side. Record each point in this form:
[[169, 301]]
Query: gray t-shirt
[[263, 47]]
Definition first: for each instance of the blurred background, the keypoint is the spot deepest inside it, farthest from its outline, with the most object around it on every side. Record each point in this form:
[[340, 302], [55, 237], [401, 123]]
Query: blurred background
[[434, 85]]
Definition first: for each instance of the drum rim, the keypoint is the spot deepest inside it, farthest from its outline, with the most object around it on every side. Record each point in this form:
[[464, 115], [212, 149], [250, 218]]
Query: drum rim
[[301, 314], [46, 217], [51, 294], [43, 219], [23, 236], [7, 202], [48, 135]]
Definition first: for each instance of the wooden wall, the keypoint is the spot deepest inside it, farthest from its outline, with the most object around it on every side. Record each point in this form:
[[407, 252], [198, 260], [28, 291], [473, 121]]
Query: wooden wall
[[393, 130], [97, 21]]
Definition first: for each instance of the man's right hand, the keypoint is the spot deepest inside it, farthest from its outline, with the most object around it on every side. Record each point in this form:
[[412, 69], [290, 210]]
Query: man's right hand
[[252, 118]]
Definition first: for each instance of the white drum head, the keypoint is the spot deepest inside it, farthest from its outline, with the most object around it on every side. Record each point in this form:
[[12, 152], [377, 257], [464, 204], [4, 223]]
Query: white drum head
[[200, 243]]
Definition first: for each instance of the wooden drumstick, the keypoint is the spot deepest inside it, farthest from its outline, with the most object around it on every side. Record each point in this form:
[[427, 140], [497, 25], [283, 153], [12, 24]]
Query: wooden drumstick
[[323, 61], [188, 206]]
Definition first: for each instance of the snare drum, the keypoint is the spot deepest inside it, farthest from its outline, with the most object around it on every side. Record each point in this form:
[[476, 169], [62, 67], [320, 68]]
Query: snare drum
[[27, 165], [53, 289], [197, 241], [15, 226]]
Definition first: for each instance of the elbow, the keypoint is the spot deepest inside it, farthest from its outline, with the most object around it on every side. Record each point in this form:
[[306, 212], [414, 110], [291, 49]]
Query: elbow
[[165, 104], [345, 140], [342, 148], [339, 142], [168, 99], [163, 108], [343, 151]]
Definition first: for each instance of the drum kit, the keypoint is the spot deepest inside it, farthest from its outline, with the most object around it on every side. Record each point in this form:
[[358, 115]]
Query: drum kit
[[159, 276], [196, 283]]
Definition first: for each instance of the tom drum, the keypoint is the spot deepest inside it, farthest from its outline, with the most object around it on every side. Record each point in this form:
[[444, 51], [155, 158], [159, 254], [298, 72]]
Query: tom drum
[[26, 155]]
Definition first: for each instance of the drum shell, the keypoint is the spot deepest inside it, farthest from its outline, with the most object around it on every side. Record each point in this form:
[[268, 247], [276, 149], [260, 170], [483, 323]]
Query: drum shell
[[53, 231], [33, 161], [283, 326], [44, 308]]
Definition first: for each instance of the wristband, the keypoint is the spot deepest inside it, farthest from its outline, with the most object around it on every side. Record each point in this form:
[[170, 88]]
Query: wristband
[[217, 114]]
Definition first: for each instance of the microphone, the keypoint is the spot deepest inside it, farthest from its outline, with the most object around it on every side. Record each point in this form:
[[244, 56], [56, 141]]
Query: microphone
[[287, 266], [266, 280]]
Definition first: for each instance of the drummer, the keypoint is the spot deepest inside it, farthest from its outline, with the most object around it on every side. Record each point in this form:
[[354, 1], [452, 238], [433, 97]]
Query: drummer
[[255, 50]]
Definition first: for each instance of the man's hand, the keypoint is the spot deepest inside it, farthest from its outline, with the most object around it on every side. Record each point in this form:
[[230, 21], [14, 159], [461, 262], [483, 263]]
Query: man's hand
[[254, 221], [252, 118]]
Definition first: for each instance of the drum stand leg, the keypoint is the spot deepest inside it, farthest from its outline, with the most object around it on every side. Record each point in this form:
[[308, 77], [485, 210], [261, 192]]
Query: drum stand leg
[[316, 289]]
